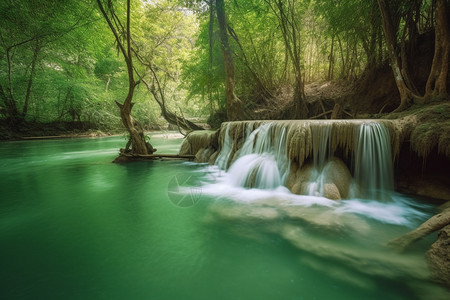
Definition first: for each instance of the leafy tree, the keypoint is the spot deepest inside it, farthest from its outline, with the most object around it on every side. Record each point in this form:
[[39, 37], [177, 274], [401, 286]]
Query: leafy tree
[[233, 103], [122, 34], [28, 31]]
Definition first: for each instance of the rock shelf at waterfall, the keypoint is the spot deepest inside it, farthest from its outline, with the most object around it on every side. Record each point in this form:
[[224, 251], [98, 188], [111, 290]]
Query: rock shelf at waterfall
[[335, 159]]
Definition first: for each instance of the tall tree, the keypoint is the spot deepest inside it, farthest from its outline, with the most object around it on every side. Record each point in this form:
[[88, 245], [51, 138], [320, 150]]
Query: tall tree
[[233, 103], [288, 18], [29, 29], [122, 36], [390, 28], [437, 80]]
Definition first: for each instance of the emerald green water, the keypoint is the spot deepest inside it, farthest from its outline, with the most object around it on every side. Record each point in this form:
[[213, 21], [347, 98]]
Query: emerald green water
[[75, 226]]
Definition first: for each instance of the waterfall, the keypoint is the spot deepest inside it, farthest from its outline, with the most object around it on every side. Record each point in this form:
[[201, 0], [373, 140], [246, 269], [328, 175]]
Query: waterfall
[[261, 162], [258, 154], [373, 173], [224, 155], [322, 152]]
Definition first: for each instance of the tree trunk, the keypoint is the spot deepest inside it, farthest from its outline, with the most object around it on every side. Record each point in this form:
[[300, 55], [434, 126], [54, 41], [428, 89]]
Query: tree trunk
[[433, 224], [244, 59], [331, 59], [406, 95], [137, 138], [30, 80], [107, 83], [233, 103], [290, 30], [437, 80], [210, 54]]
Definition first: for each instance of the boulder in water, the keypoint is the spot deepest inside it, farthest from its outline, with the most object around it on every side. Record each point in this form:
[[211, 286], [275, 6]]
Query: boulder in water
[[331, 191], [335, 180], [338, 174]]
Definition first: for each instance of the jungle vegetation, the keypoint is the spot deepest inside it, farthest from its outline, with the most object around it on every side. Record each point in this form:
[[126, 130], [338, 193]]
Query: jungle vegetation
[[140, 64]]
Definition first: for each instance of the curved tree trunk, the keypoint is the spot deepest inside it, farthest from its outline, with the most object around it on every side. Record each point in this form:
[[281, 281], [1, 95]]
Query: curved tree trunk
[[406, 95], [173, 118], [137, 137], [433, 224]]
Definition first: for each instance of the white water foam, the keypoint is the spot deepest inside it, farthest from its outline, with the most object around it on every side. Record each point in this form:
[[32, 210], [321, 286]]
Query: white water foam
[[400, 211], [260, 168]]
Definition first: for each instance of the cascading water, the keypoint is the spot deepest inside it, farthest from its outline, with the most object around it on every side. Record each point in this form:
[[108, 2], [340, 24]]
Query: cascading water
[[224, 155], [261, 167], [262, 162], [321, 142], [373, 175]]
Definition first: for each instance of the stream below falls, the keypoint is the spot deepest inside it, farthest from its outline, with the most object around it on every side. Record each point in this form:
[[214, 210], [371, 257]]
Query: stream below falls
[[75, 226]]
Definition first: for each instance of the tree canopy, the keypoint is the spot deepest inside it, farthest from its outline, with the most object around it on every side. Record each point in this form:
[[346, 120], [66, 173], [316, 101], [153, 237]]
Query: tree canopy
[[195, 59]]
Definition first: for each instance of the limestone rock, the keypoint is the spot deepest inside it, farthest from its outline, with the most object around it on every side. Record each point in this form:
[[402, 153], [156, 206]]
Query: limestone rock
[[203, 155], [439, 257], [197, 140], [331, 191], [213, 157], [338, 174], [336, 179]]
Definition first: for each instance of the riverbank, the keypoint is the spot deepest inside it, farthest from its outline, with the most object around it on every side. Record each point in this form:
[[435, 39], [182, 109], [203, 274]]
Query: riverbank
[[52, 130]]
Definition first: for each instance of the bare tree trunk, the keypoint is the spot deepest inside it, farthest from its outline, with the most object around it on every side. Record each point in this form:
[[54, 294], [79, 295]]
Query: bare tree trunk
[[433, 224], [210, 54], [30, 80], [331, 59], [437, 80], [107, 83], [406, 95], [233, 103], [288, 21], [265, 91]]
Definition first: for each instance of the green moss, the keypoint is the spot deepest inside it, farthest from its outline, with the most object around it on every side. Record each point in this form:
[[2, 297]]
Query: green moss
[[431, 127]]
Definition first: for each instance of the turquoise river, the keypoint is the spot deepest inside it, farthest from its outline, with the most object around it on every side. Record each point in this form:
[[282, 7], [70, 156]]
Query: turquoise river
[[73, 225]]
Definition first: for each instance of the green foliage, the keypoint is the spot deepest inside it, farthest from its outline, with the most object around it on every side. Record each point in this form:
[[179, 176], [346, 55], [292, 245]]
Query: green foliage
[[204, 79], [59, 61]]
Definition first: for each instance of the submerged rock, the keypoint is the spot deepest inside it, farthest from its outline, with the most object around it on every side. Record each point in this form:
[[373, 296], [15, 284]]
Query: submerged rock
[[333, 182], [371, 261], [244, 213], [326, 220], [338, 174]]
